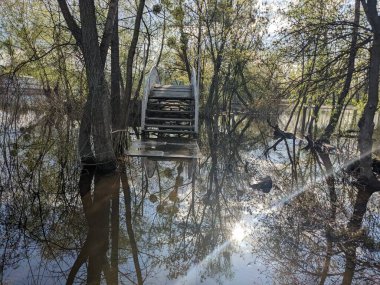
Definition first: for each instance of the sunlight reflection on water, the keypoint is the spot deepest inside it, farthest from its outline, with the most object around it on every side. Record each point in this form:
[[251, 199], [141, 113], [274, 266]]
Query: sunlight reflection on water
[[243, 229], [239, 232]]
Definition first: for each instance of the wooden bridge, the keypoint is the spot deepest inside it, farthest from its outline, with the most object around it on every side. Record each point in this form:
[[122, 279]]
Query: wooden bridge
[[169, 110], [169, 119]]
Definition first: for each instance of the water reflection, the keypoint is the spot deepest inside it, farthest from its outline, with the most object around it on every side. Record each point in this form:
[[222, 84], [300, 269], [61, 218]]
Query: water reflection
[[210, 220]]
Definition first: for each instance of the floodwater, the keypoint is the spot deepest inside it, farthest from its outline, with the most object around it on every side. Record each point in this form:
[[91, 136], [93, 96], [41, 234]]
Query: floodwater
[[236, 215]]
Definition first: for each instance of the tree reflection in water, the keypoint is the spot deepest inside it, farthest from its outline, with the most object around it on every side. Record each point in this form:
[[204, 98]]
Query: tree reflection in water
[[185, 221]]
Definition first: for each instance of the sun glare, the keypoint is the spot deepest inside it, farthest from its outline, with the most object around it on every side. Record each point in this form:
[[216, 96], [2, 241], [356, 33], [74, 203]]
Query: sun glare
[[238, 232]]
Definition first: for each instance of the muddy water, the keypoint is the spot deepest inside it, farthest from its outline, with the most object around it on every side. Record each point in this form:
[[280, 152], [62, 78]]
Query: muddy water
[[236, 215]]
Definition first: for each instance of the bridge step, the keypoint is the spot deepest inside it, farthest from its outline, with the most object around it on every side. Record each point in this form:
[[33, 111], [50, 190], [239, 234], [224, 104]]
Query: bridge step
[[169, 119], [170, 110], [183, 127], [171, 95], [175, 96], [185, 132], [168, 104], [172, 87]]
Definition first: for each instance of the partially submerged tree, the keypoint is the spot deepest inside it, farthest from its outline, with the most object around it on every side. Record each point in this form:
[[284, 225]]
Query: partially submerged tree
[[95, 127]]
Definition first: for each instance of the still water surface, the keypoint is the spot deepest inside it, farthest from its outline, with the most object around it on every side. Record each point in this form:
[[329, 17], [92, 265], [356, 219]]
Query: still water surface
[[236, 215]]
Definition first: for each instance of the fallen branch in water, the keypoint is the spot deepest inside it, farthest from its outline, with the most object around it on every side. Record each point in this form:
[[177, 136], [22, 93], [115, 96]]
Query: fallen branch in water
[[280, 135], [319, 146]]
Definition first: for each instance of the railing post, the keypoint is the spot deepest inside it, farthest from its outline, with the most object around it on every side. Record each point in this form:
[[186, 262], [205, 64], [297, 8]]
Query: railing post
[[195, 88], [152, 79]]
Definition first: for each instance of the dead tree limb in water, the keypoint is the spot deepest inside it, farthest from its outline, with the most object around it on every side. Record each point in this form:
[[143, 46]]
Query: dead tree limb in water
[[278, 134]]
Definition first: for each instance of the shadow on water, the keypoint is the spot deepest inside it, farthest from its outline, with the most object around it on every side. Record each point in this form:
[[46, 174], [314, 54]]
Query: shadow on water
[[238, 215]]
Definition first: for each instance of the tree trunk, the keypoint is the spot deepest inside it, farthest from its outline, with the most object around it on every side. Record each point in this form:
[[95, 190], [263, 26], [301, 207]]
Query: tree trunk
[[185, 57], [163, 38], [101, 127], [145, 62], [334, 118], [84, 141], [130, 58], [96, 116], [212, 100], [98, 99], [115, 78], [350, 265], [99, 227], [366, 123], [354, 225], [116, 116], [115, 231], [314, 116], [128, 221]]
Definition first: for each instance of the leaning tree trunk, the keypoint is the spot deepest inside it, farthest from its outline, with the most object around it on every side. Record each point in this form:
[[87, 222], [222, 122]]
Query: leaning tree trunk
[[130, 58], [334, 118]]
